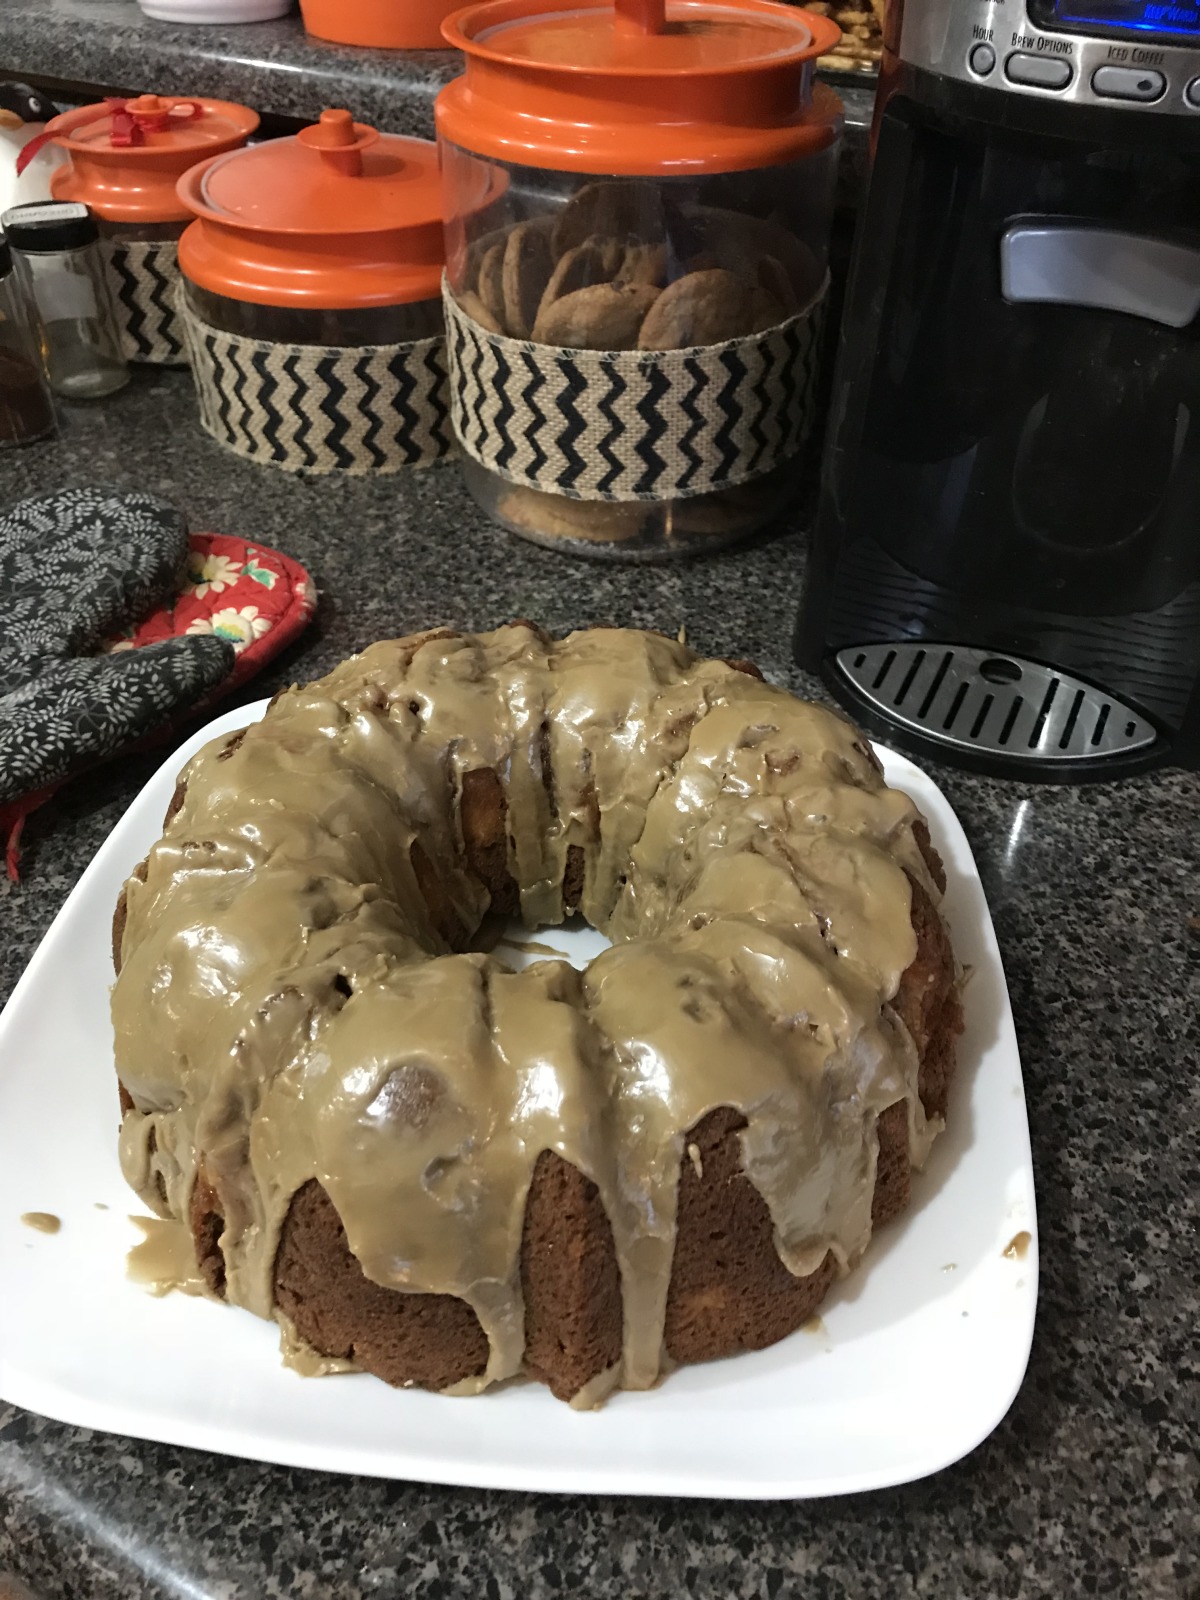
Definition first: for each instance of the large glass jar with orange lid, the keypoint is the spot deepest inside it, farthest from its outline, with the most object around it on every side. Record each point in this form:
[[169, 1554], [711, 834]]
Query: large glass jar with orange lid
[[125, 159], [312, 299], [638, 205]]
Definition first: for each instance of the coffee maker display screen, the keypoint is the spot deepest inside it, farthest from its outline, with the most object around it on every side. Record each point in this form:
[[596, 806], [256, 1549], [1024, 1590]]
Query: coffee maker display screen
[[1178, 19]]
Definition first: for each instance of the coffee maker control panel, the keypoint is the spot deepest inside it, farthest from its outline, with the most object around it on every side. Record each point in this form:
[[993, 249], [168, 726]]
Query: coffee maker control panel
[[1133, 55]]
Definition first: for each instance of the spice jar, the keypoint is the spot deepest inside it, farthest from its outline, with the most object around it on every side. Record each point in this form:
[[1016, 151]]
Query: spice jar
[[56, 247], [634, 307], [126, 157], [312, 300], [26, 410]]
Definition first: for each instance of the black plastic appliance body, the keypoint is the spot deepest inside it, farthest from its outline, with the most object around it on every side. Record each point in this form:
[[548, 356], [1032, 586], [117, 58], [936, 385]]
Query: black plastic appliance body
[[1005, 568]]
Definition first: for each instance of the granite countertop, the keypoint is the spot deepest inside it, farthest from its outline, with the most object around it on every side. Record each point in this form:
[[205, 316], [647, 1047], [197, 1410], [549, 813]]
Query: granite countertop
[[273, 66], [1089, 1486]]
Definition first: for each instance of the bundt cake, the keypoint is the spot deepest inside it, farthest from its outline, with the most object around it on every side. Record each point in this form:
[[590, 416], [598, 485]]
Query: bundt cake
[[428, 1166]]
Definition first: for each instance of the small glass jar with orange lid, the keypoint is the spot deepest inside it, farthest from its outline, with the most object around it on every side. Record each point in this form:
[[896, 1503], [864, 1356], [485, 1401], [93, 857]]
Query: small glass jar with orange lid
[[638, 204], [312, 297], [125, 160]]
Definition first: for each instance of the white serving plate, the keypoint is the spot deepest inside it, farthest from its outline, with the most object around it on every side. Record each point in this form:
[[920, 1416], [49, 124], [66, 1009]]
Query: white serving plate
[[917, 1357]]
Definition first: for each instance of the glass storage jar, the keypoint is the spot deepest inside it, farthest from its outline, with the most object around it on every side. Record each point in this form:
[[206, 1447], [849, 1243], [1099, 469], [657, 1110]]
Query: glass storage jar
[[638, 204], [311, 291], [26, 409], [58, 259], [125, 160]]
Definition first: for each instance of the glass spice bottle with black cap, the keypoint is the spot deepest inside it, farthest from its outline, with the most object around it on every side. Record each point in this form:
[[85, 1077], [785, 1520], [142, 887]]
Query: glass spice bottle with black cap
[[26, 410], [57, 252]]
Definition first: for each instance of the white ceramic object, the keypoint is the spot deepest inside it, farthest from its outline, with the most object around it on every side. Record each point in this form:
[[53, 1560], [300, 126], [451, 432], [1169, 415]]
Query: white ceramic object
[[916, 1358], [33, 186], [218, 11]]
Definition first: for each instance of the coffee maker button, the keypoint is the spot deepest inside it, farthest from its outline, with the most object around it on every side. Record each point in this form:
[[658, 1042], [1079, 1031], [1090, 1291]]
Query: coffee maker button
[[1037, 72], [982, 59], [1128, 83], [1192, 94]]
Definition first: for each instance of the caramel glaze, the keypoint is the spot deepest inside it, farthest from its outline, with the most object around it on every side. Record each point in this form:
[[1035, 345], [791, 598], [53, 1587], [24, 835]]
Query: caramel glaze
[[288, 1008], [41, 1221]]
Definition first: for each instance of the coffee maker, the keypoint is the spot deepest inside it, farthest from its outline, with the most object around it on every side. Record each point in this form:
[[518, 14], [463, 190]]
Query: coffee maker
[[1005, 570]]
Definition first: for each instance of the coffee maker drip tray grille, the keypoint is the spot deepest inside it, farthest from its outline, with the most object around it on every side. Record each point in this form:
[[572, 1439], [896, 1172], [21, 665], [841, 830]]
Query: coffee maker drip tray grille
[[998, 705]]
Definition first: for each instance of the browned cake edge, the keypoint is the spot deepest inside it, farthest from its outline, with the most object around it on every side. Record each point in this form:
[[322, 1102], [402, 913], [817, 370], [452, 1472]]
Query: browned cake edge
[[729, 1290], [430, 1341], [569, 1279], [206, 1218]]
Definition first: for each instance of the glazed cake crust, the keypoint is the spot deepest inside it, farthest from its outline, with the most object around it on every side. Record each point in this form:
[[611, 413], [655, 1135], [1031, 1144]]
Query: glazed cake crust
[[445, 1173]]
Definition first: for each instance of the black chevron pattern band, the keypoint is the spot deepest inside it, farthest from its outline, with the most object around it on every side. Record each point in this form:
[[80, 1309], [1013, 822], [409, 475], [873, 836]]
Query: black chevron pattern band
[[319, 409], [144, 274], [633, 425]]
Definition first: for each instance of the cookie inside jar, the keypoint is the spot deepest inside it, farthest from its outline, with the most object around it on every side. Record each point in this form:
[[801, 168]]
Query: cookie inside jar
[[634, 352], [623, 264]]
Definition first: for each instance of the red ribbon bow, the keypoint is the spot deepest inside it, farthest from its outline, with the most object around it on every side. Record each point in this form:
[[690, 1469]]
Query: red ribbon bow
[[127, 127], [131, 127]]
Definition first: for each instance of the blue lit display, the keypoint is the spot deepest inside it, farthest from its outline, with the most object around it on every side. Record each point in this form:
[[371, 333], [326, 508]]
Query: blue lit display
[[1163, 18]]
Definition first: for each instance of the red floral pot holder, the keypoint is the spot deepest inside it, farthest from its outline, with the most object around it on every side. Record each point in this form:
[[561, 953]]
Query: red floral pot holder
[[255, 599]]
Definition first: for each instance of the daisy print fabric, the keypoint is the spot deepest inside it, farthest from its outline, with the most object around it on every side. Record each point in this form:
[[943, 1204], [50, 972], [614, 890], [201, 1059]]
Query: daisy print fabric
[[246, 594], [115, 623], [73, 566]]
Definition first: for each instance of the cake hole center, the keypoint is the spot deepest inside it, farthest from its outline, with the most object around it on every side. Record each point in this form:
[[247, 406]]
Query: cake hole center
[[517, 947]]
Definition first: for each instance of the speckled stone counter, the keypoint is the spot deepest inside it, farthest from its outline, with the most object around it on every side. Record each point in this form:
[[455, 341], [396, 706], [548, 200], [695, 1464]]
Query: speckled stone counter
[[1088, 1487], [273, 66]]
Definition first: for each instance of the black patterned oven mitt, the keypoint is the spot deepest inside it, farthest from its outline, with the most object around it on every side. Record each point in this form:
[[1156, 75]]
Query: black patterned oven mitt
[[75, 568]]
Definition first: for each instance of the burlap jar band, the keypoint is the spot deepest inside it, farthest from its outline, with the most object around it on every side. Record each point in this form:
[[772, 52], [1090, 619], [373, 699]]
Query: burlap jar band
[[322, 408], [633, 425], [144, 274]]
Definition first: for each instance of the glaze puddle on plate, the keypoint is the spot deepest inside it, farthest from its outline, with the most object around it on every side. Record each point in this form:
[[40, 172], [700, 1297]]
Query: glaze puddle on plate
[[814, 1415]]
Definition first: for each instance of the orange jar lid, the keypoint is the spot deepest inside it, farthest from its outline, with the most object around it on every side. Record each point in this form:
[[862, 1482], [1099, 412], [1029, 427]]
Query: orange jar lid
[[127, 155], [647, 87], [337, 217]]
